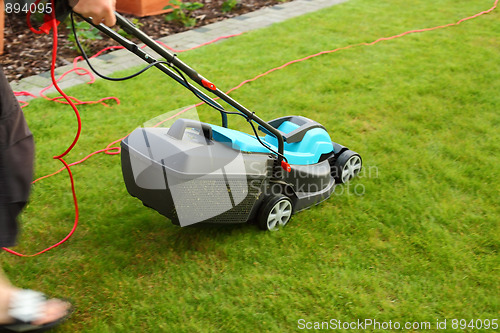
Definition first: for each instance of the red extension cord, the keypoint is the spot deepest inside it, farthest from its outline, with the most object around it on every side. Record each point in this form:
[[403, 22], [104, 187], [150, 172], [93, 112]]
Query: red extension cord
[[53, 25], [110, 150]]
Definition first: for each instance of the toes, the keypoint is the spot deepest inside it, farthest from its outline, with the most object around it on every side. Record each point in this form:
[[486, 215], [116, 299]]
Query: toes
[[55, 309]]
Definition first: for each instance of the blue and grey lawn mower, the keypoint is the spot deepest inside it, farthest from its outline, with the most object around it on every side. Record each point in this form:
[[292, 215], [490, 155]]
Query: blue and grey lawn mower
[[194, 172]]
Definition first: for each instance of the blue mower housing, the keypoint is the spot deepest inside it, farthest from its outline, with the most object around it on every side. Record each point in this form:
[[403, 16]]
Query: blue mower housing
[[314, 141]]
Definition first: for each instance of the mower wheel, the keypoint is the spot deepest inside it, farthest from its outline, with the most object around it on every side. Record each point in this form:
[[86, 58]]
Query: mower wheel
[[347, 166], [275, 212]]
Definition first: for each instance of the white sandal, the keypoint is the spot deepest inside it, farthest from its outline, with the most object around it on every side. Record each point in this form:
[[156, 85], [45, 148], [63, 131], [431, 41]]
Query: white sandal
[[28, 306]]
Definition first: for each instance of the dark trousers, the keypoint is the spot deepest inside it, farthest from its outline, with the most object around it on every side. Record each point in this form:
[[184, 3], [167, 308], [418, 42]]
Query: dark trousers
[[16, 162]]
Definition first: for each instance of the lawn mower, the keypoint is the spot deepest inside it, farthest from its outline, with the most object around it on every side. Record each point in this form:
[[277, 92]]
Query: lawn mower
[[195, 172]]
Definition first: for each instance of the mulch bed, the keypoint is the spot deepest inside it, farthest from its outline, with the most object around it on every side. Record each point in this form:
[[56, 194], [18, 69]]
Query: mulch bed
[[27, 54]]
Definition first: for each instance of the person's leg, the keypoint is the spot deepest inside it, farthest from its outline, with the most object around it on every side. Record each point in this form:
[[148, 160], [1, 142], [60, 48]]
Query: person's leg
[[16, 162], [16, 172]]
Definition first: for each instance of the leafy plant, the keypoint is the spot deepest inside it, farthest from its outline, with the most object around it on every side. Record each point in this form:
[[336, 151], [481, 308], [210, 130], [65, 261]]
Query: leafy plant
[[181, 12], [85, 33], [123, 33], [229, 5]]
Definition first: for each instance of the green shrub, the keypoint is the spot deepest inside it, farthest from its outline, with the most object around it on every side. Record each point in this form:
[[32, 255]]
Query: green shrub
[[181, 12], [85, 33], [229, 5]]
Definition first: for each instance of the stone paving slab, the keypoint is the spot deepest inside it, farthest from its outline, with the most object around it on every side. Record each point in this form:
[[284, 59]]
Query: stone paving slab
[[123, 59]]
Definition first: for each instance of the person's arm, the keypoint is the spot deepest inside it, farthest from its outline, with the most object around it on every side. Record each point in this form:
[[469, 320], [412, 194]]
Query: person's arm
[[101, 11]]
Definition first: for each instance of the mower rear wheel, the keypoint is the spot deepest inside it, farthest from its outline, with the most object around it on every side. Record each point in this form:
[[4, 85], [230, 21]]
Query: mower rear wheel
[[347, 166], [275, 213]]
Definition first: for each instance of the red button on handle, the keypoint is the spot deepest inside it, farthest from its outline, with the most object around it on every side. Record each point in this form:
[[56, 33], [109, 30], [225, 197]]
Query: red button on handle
[[286, 166], [207, 84]]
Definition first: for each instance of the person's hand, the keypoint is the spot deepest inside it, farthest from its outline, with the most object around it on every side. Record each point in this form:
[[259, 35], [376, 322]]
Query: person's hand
[[101, 11]]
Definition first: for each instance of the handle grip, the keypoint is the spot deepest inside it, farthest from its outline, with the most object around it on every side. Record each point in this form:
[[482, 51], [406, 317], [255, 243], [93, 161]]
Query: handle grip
[[179, 127]]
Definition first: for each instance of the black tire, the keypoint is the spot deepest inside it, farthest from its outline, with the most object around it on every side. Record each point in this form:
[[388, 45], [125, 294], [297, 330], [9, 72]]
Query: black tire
[[275, 212], [347, 166]]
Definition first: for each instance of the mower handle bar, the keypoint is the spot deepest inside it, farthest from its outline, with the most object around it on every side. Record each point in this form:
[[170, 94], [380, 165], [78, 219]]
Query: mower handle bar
[[173, 60]]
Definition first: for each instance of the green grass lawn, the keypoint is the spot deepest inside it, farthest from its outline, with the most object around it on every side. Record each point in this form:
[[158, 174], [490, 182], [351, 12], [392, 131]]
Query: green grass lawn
[[414, 239]]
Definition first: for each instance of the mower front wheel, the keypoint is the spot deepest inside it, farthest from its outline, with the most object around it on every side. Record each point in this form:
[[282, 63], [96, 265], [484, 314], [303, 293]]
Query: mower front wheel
[[347, 166], [275, 213]]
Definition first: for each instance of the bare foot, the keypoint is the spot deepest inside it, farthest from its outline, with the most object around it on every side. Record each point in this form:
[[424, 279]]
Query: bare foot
[[30, 307], [54, 309]]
